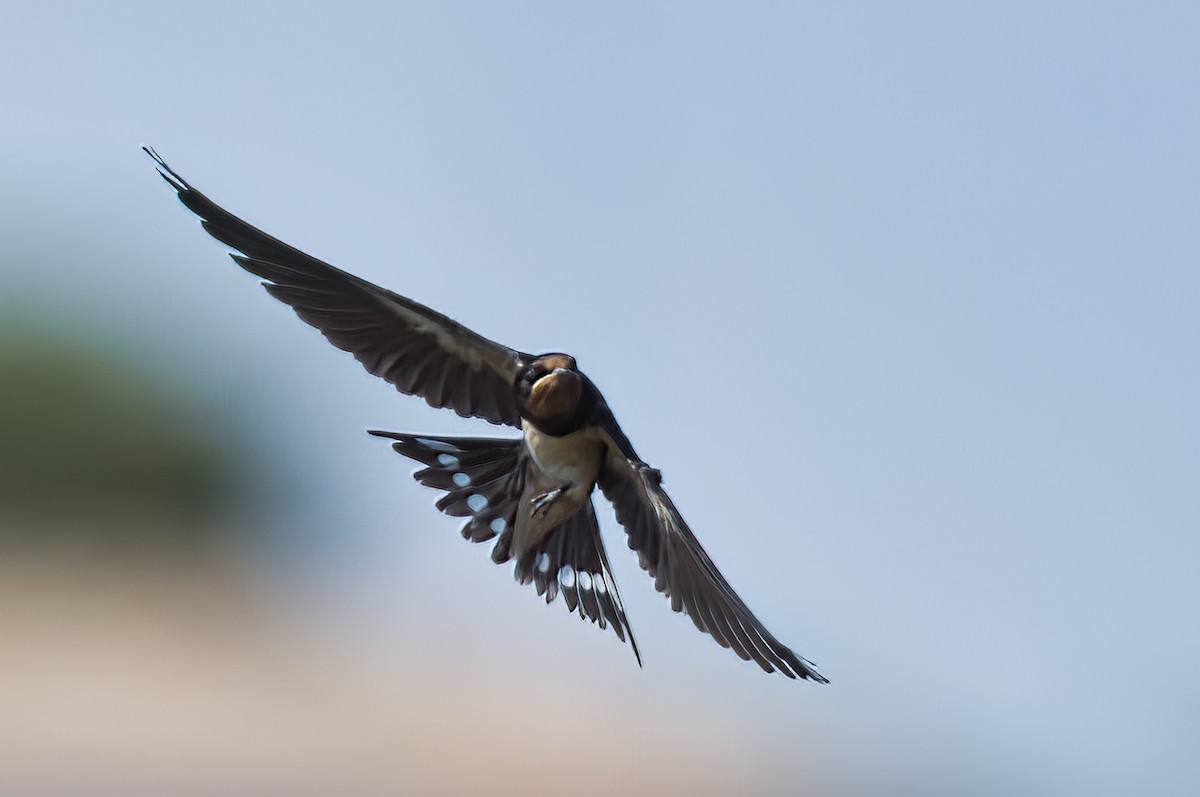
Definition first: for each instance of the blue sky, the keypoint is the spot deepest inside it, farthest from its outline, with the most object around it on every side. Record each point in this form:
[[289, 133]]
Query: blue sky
[[901, 298]]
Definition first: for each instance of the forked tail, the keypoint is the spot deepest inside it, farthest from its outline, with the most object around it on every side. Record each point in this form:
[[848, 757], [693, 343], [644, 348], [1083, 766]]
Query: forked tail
[[484, 481]]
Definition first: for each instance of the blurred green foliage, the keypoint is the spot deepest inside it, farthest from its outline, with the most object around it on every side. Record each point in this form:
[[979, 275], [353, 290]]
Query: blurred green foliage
[[87, 435]]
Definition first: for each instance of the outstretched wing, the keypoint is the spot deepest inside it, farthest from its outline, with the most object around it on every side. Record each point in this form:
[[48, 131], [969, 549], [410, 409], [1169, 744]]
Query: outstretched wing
[[484, 480], [669, 551], [420, 351]]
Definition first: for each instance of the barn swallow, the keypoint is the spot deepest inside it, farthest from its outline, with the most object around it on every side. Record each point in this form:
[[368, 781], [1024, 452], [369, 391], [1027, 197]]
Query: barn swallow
[[531, 494]]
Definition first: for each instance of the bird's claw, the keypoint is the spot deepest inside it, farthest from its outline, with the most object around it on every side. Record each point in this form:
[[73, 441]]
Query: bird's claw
[[543, 502]]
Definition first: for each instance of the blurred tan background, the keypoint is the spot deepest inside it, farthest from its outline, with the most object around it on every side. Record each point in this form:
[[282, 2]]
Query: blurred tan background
[[148, 651]]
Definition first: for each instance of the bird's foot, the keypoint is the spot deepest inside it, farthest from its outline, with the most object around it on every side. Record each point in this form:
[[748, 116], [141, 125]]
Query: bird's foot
[[543, 502]]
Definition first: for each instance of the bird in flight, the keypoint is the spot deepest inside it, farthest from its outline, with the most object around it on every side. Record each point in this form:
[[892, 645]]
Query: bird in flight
[[531, 494]]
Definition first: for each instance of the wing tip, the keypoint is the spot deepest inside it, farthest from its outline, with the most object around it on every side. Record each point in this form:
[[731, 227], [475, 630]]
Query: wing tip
[[814, 676], [807, 671], [166, 172]]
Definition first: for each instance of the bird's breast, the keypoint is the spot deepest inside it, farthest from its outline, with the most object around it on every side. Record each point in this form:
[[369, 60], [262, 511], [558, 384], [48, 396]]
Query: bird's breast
[[572, 458]]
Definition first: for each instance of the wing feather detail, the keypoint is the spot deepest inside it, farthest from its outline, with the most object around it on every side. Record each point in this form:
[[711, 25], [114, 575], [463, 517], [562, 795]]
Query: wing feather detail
[[682, 570], [418, 350]]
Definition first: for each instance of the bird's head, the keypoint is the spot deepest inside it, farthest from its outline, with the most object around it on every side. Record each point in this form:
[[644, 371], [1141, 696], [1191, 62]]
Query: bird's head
[[549, 389]]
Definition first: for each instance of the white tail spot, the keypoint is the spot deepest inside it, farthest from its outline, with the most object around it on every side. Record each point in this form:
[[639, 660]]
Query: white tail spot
[[477, 502], [566, 577], [436, 445], [461, 479], [448, 460]]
